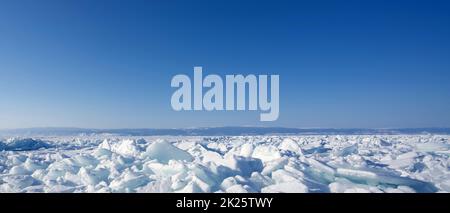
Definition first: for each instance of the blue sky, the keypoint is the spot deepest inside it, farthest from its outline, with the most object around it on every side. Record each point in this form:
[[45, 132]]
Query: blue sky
[[108, 64]]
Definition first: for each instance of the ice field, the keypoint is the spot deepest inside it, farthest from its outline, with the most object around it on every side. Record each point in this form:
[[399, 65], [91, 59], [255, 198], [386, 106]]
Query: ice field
[[315, 163]]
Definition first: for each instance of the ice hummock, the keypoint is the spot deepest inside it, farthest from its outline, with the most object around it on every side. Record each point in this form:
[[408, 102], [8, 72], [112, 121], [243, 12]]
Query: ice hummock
[[238, 164], [164, 152], [23, 144]]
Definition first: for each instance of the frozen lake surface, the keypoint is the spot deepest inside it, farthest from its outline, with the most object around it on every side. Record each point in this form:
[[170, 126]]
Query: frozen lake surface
[[315, 163]]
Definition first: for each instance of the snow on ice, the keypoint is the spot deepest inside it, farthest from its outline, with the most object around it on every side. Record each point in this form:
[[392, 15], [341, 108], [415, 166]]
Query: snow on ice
[[239, 164]]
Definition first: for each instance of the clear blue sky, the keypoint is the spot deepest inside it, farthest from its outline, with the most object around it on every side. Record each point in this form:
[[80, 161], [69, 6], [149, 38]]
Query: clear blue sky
[[108, 64]]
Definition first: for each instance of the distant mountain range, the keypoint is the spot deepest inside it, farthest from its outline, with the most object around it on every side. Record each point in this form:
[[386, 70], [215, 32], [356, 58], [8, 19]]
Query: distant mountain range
[[218, 131]]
